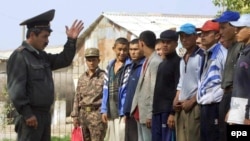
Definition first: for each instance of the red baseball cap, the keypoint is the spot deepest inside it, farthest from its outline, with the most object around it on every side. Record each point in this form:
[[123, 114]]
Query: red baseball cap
[[209, 26]]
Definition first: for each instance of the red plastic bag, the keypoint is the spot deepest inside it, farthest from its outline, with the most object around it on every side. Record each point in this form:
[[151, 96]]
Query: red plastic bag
[[77, 134]]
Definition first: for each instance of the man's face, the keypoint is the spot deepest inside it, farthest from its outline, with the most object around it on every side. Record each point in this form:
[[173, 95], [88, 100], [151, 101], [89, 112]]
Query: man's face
[[92, 62], [227, 31], [243, 34], [209, 38], [188, 41], [41, 40], [121, 51], [135, 52], [158, 48], [168, 46]]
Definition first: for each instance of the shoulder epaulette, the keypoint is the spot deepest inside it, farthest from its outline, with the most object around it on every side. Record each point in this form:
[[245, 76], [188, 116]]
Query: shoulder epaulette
[[20, 48]]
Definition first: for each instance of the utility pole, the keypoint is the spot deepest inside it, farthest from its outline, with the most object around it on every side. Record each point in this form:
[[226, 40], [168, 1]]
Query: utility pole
[[23, 34]]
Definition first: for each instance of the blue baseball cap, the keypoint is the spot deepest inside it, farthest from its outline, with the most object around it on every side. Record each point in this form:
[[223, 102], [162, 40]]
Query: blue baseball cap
[[228, 16], [188, 28]]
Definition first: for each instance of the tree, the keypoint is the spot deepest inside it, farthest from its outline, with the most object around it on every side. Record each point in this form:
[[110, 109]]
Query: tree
[[242, 6]]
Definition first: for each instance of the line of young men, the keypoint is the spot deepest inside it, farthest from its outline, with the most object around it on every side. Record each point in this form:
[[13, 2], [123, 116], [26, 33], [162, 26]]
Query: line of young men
[[141, 91]]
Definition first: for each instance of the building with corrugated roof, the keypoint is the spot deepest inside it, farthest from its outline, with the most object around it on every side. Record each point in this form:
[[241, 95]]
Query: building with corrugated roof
[[111, 25]]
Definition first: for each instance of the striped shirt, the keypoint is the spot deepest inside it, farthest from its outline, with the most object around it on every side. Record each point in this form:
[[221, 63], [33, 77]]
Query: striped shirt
[[209, 86]]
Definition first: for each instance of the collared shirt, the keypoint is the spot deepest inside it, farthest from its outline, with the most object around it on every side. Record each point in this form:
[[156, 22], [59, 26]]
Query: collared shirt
[[88, 91], [209, 86], [189, 75], [114, 83], [233, 53]]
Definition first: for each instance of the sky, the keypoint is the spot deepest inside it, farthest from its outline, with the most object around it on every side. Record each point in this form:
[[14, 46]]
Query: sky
[[13, 12]]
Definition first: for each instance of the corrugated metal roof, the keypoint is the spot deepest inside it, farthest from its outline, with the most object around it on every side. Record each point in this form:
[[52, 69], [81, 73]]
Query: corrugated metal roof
[[138, 22]]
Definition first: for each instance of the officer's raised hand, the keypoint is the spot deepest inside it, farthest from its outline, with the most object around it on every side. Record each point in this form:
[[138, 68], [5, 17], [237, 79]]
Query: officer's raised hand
[[74, 30]]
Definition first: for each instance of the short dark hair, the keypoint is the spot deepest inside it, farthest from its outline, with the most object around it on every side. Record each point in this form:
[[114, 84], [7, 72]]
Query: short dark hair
[[121, 40], [149, 38], [158, 41], [37, 31], [134, 41]]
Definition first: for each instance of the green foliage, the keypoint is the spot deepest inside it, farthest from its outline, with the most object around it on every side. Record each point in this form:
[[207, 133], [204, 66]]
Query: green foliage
[[65, 138], [243, 6], [8, 106]]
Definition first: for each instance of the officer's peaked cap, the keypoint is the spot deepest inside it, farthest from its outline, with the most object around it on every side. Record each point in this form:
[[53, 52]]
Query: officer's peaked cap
[[40, 21]]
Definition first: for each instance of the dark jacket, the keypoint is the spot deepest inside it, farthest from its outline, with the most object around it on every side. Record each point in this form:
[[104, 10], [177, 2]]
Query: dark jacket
[[166, 82], [29, 77], [242, 78]]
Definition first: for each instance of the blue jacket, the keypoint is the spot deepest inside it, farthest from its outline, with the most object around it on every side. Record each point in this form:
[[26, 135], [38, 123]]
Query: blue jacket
[[134, 75], [121, 89]]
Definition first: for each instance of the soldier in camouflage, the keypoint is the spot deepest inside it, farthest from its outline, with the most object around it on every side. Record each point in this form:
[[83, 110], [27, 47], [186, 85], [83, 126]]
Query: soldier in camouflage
[[88, 99]]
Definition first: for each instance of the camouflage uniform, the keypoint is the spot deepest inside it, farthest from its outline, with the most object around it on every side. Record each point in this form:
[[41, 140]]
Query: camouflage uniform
[[87, 104]]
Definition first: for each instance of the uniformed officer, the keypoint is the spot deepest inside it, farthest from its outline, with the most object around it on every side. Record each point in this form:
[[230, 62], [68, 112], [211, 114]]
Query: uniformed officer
[[29, 71], [88, 98]]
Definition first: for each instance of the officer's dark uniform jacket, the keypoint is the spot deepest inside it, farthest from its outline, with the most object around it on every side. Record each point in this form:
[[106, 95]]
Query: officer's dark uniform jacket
[[30, 82]]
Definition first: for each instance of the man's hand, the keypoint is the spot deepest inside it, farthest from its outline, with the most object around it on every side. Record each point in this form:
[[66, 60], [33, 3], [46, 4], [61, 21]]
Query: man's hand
[[76, 122], [170, 121], [104, 118], [187, 105], [32, 122], [148, 123], [247, 121], [74, 30], [176, 103], [177, 106]]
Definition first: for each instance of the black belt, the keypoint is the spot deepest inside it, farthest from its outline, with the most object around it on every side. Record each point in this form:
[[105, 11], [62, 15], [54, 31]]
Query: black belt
[[89, 108]]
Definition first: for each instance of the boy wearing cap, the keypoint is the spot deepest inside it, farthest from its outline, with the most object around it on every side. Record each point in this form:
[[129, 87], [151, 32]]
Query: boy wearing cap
[[228, 35], [114, 92], [209, 87], [141, 107], [165, 88], [240, 100], [87, 101], [30, 82], [187, 111]]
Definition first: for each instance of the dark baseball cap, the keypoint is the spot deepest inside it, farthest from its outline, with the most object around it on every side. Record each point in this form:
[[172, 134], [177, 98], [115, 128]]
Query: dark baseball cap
[[228, 16], [169, 35]]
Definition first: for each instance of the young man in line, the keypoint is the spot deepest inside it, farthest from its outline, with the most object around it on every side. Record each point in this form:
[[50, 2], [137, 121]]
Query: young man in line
[[239, 112], [114, 93], [165, 89], [209, 88], [143, 99], [187, 111], [137, 58]]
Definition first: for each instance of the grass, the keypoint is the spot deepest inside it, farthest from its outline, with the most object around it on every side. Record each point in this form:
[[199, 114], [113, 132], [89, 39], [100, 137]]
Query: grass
[[65, 138]]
